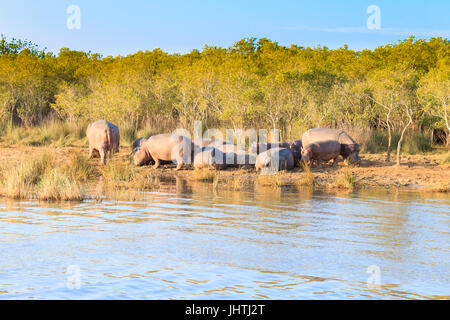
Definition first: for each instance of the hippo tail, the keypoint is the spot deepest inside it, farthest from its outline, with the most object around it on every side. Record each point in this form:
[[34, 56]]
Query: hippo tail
[[108, 137]]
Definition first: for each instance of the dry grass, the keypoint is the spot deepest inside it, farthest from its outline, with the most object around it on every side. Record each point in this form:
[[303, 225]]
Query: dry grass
[[51, 132], [307, 178], [37, 177], [79, 168], [271, 180], [346, 179], [57, 186], [205, 175]]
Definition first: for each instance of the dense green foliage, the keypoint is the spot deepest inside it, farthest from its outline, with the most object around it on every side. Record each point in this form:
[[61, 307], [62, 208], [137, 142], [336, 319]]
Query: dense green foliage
[[253, 84]]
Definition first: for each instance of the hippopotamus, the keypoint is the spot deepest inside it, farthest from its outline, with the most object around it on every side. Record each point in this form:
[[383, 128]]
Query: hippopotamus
[[321, 151], [104, 139], [275, 158], [239, 158], [262, 146], [200, 143], [137, 144], [349, 147], [209, 157], [165, 147]]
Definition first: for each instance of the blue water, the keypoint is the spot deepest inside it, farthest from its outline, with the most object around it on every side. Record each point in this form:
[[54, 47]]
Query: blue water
[[190, 242]]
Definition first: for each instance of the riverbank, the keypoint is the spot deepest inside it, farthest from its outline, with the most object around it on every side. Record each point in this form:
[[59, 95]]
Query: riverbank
[[63, 173]]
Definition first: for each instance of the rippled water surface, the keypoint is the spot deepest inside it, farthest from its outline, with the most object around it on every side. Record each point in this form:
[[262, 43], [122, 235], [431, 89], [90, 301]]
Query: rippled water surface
[[191, 242]]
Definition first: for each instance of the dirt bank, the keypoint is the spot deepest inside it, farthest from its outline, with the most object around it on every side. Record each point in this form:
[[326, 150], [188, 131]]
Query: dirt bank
[[424, 172]]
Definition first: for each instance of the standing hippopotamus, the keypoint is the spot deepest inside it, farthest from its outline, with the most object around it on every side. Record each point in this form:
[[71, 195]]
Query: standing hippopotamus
[[165, 147], [349, 147], [209, 157], [103, 139], [296, 148], [275, 159], [262, 146], [321, 151]]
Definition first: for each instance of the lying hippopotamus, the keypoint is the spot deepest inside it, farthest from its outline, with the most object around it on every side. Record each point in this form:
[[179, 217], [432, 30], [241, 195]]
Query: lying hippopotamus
[[165, 147], [200, 143], [137, 144], [321, 151], [349, 147], [209, 157], [275, 159], [263, 146], [103, 139]]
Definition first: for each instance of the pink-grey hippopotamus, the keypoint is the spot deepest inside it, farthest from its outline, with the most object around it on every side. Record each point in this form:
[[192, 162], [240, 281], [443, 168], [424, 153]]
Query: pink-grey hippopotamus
[[349, 147], [165, 147], [137, 144], [322, 151], [104, 139]]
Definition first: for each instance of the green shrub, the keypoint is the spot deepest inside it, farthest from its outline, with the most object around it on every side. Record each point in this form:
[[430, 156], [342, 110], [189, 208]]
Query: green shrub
[[377, 141], [416, 142]]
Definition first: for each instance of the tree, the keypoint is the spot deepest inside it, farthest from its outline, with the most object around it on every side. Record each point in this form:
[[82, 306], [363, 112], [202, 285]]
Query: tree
[[434, 91]]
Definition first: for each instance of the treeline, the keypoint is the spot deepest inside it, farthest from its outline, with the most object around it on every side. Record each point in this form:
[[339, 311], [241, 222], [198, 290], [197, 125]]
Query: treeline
[[256, 83]]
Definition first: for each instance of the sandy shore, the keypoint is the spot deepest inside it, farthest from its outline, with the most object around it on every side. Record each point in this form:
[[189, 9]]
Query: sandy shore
[[424, 172]]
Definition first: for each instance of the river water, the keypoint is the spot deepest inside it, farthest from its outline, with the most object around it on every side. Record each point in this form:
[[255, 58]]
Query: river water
[[192, 242]]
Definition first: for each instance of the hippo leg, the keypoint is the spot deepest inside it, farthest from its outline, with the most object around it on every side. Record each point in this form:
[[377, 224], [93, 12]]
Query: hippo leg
[[179, 165], [334, 162], [91, 151], [156, 163], [102, 156]]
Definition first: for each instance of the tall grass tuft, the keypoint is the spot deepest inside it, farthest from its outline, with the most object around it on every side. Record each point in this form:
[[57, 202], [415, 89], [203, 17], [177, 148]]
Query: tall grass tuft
[[307, 178], [57, 186], [204, 175], [51, 132], [18, 180], [417, 142], [79, 168], [128, 133], [117, 173], [346, 179]]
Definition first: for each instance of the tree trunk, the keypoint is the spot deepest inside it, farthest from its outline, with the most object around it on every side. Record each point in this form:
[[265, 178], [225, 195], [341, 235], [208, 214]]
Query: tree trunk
[[388, 156], [399, 145]]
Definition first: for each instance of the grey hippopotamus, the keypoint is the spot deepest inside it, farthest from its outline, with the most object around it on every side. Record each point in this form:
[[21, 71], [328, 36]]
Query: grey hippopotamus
[[137, 144], [275, 159], [321, 151], [349, 147], [104, 139], [210, 157], [200, 143], [263, 146], [165, 147]]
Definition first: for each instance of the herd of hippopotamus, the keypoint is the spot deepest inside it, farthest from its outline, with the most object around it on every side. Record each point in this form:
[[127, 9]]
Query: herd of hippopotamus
[[317, 145]]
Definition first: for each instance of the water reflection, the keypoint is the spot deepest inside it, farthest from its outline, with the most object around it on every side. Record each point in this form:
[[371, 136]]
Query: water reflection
[[189, 240]]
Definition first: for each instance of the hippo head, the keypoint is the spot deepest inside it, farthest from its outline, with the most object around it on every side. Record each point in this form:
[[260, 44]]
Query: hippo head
[[353, 153], [141, 157], [306, 154]]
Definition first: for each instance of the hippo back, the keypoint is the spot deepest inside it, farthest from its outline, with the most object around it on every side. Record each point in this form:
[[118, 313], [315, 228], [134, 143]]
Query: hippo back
[[326, 134], [102, 132], [278, 158]]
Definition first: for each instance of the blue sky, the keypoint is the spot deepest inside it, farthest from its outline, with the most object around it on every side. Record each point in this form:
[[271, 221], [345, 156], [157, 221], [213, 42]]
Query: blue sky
[[123, 27]]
